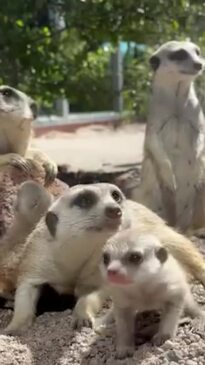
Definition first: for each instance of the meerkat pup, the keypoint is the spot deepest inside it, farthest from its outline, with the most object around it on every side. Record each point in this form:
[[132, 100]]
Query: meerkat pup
[[65, 249], [173, 168], [17, 112], [32, 202], [142, 276]]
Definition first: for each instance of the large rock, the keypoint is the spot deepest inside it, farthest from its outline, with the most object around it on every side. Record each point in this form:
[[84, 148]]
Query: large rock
[[10, 179]]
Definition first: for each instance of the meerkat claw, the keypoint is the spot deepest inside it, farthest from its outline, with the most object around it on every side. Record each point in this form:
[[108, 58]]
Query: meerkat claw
[[78, 323], [51, 170], [20, 162], [123, 352]]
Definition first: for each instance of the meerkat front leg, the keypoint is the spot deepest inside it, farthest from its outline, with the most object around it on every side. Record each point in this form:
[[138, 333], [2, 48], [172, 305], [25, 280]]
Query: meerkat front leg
[[125, 326], [166, 175], [169, 321], [26, 298], [87, 307], [50, 167]]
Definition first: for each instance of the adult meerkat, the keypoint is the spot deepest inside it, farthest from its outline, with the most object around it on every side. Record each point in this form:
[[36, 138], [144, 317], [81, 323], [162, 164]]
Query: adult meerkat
[[17, 112], [143, 276], [173, 168], [32, 202], [65, 249]]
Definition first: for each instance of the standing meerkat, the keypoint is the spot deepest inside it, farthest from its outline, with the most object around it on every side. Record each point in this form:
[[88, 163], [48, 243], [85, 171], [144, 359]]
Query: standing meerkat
[[143, 276], [173, 168], [65, 249], [17, 112], [32, 202]]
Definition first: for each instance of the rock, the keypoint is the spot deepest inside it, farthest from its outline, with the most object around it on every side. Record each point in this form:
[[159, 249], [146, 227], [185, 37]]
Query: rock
[[10, 179]]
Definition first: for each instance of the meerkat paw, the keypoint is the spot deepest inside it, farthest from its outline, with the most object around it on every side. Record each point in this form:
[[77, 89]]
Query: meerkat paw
[[159, 338], [124, 351], [198, 325], [81, 320], [20, 162], [51, 170], [14, 329]]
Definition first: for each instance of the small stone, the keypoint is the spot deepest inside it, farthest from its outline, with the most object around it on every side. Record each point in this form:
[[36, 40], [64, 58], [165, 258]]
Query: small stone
[[168, 345], [191, 362]]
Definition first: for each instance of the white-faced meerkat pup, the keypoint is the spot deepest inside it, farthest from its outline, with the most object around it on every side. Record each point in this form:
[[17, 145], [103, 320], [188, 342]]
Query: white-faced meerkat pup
[[17, 112], [32, 201], [65, 248], [173, 168], [142, 276]]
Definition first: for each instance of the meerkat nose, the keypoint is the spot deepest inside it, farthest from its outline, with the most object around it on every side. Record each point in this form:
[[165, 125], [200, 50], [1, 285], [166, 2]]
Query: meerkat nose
[[113, 212], [198, 65], [112, 271]]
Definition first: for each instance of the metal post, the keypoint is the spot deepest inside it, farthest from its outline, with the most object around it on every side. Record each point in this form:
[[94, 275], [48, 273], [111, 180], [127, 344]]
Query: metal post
[[117, 80]]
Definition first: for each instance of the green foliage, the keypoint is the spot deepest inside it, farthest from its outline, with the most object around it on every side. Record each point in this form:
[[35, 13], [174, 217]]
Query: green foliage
[[47, 61]]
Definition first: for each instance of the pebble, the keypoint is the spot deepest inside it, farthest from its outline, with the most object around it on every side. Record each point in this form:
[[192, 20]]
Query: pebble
[[191, 362]]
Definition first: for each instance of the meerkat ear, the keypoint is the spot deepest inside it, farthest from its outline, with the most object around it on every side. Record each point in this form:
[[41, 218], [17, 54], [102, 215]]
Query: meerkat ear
[[51, 222], [154, 62], [162, 254]]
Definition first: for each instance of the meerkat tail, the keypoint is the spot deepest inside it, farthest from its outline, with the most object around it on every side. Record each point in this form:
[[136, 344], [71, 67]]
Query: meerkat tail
[[187, 254]]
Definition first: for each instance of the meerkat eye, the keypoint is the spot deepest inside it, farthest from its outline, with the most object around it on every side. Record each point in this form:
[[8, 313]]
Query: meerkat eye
[[135, 258], [85, 200], [180, 55], [7, 92], [106, 258], [116, 196]]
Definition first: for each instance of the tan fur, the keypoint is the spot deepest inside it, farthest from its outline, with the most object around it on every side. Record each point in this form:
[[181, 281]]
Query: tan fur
[[172, 178], [16, 116], [32, 202], [142, 276]]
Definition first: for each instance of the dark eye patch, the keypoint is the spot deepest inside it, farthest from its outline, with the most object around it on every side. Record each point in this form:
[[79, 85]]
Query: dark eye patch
[[117, 196], [9, 93], [180, 55], [85, 200], [134, 258], [106, 258]]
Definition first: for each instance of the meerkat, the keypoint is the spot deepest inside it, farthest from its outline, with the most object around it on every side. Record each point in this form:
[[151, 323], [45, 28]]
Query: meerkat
[[32, 202], [65, 248], [17, 112], [143, 276], [173, 167]]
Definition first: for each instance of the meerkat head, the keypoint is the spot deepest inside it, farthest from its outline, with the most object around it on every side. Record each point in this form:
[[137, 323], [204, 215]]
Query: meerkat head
[[94, 210], [32, 201], [15, 105], [179, 60], [129, 258]]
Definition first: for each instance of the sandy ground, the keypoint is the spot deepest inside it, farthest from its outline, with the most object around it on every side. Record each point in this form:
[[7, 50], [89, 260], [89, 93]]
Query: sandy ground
[[92, 147]]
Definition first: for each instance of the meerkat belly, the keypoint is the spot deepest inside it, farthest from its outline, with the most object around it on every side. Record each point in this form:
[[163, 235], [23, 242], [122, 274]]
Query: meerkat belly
[[181, 144], [4, 144], [139, 299]]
